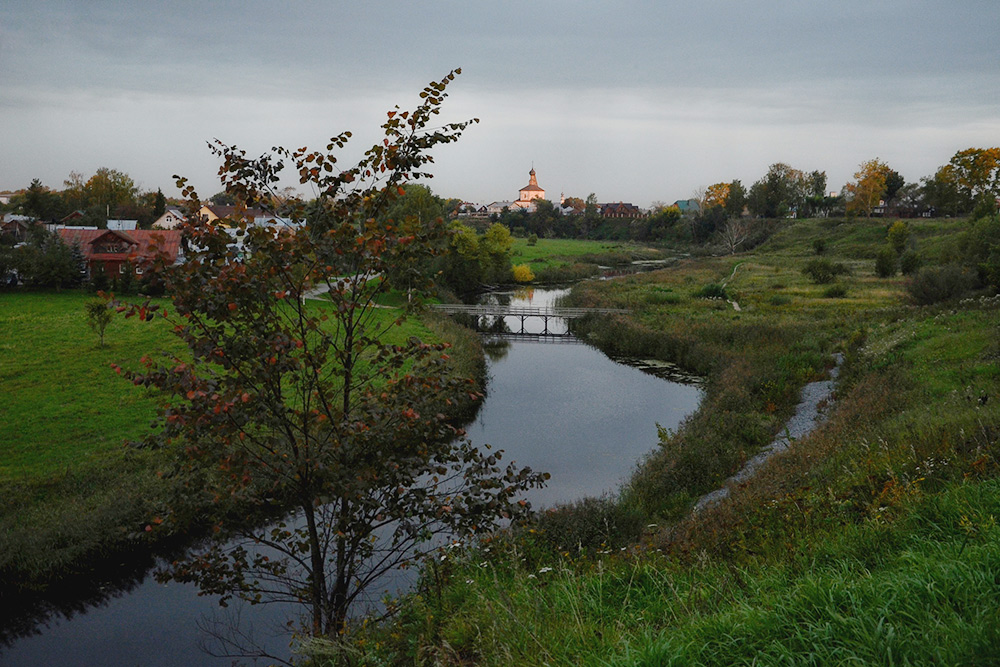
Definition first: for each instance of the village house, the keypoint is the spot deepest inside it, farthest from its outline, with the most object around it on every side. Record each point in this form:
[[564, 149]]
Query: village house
[[621, 210], [471, 210], [123, 225], [170, 219], [210, 212], [113, 251], [688, 206], [15, 226]]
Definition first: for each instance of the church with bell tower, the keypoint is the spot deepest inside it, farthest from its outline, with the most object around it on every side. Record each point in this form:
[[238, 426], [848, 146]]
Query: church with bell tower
[[526, 199], [530, 191]]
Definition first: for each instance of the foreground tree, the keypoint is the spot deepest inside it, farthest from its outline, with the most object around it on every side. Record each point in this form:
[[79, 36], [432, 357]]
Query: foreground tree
[[318, 405]]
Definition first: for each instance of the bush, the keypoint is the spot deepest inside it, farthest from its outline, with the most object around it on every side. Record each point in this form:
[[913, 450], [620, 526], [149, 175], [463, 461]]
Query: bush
[[712, 291], [99, 281], [885, 262], [522, 273], [835, 292], [909, 263], [533, 239], [590, 523], [99, 316], [934, 284], [823, 271], [898, 235], [981, 249], [819, 246], [661, 296]]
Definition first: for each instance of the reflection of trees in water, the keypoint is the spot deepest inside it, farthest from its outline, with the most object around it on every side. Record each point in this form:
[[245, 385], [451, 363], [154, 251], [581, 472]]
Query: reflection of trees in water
[[496, 348], [524, 293], [494, 298], [24, 615]]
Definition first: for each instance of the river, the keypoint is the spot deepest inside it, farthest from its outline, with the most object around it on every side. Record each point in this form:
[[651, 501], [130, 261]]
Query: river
[[552, 404]]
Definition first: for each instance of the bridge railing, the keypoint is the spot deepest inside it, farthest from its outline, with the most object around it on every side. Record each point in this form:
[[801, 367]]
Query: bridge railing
[[496, 310]]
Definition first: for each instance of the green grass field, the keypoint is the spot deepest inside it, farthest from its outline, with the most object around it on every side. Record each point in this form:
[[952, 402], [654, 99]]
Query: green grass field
[[71, 491], [571, 259], [63, 405]]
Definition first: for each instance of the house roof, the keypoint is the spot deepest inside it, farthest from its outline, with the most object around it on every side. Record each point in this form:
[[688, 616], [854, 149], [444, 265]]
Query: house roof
[[140, 240], [226, 211], [125, 225]]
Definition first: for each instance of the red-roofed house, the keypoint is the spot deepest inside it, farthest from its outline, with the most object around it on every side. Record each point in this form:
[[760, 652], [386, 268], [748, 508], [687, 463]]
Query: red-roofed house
[[113, 250], [620, 210]]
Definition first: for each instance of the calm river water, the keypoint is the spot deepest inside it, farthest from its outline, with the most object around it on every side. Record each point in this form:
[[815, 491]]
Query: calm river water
[[560, 406]]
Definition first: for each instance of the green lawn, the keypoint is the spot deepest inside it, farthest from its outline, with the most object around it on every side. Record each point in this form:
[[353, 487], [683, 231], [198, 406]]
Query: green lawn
[[63, 405]]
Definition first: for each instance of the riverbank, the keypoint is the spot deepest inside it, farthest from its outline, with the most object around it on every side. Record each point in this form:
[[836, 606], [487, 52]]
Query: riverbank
[[74, 502], [872, 539]]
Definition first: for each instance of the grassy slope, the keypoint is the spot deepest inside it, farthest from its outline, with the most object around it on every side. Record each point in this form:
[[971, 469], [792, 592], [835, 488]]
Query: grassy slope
[[70, 492], [873, 541]]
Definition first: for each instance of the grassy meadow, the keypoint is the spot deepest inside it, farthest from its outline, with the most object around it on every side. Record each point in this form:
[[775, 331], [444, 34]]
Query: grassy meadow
[[72, 493], [873, 540], [555, 260]]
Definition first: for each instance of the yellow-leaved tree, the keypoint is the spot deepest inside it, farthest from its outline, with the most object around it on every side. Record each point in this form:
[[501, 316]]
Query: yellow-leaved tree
[[868, 187]]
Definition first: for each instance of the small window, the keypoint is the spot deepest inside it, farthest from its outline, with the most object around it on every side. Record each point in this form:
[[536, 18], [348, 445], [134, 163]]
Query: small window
[[138, 270], [121, 269]]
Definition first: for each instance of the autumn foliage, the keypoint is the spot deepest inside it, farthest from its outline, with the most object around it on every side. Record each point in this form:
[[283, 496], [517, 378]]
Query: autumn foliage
[[294, 398]]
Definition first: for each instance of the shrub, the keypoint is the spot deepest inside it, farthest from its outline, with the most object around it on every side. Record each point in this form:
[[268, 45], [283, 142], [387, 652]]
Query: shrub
[[822, 271], [712, 291], [835, 292], [522, 273], [590, 523], [981, 249], [909, 263], [819, 246], [933, 284], [885, 262], [99, 281], [533, 239], [661, 296], [898, 235], [99, 316]]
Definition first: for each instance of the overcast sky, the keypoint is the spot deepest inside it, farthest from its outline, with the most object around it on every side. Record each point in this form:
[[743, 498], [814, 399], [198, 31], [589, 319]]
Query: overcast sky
[[634, 101]]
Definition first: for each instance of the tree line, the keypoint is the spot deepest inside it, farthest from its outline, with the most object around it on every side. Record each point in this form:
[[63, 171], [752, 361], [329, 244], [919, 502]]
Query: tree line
[[107, 194]]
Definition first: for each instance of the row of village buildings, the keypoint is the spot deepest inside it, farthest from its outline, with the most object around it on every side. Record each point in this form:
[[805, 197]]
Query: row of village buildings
[[122, 245]]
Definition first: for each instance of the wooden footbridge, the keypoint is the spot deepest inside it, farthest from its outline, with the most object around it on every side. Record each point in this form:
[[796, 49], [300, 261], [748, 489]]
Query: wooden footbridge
[[523, 312]]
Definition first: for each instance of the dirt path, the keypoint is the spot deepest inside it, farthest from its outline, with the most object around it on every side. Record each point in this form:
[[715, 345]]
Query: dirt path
[[807, 417]]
